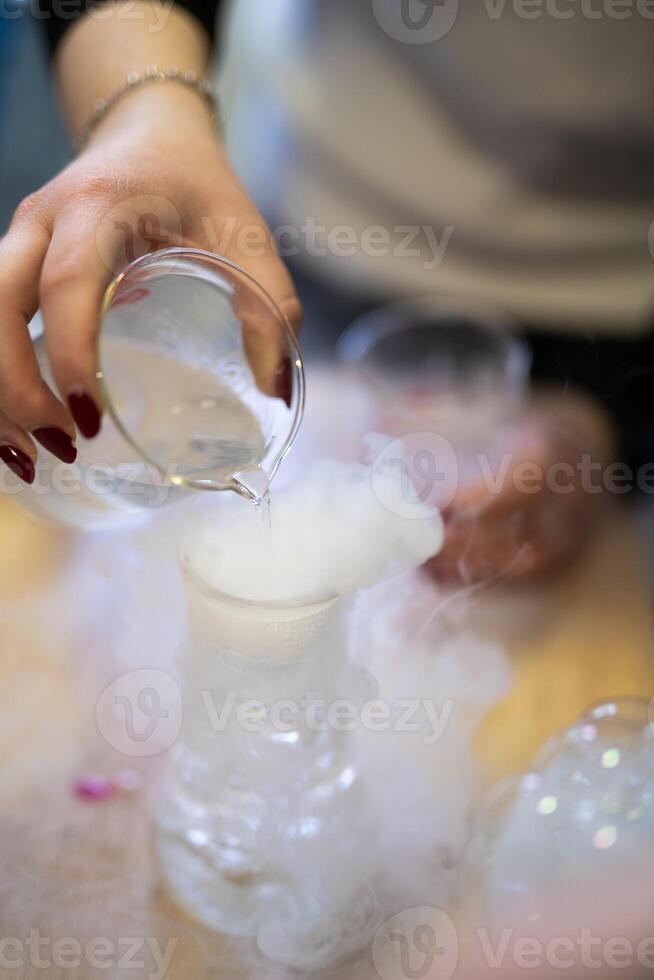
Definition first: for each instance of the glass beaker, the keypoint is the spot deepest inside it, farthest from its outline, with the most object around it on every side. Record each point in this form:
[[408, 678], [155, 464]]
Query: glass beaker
[[203, 384], [260, 817], [445, 367]]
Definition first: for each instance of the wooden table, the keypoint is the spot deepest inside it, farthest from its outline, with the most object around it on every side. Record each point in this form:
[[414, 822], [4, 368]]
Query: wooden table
[[85, 870]]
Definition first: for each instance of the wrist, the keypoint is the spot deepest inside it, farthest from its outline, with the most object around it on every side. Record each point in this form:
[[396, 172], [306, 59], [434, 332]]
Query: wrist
[[167, 108], [98, 53]]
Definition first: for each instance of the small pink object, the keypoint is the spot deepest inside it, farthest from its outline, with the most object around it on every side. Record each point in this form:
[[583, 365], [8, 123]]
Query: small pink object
[[94, 788]]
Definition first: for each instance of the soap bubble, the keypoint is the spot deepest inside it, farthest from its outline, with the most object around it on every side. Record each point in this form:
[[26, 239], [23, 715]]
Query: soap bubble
[[577, 829]]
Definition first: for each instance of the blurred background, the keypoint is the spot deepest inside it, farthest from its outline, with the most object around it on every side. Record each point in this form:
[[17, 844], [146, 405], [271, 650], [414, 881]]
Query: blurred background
[[33, 145]]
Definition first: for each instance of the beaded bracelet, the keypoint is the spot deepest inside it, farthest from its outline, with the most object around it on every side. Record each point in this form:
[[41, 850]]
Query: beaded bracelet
[[151, 75]]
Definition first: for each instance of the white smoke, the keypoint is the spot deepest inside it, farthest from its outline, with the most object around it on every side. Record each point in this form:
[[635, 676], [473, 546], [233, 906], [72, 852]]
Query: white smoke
[[117, 604], [332, 533]]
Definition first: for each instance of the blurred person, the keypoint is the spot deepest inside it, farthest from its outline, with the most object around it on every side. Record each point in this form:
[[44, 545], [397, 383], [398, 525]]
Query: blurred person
[[479, 150], [517, 150]]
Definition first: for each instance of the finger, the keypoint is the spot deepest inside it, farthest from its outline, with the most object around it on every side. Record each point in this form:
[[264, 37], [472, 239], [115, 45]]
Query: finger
[[17, 451], [249, 245], [73, 283], [266, 344], [271, 272], [240, 233], [25, 398]]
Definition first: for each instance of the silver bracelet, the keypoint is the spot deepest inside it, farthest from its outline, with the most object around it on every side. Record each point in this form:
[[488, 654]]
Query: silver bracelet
[[151, 75]]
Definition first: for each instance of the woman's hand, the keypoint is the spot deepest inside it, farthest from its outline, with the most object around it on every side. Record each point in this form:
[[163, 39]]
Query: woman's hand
[[542, 508], [153, 175]]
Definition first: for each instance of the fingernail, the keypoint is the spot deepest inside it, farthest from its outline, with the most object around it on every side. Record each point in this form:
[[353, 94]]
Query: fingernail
[[57, 442], [284, 381], [19, 462], [85, 412]]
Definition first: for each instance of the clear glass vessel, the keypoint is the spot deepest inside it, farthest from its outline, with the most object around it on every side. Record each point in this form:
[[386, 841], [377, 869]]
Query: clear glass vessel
[[260, 819], [442, 365], [203, 385]]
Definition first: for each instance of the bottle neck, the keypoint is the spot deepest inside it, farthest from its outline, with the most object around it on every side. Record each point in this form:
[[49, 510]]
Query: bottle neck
[[266, 631]]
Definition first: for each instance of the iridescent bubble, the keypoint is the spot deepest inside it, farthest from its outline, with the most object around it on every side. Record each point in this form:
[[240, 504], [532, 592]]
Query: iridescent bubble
[[577, 827]]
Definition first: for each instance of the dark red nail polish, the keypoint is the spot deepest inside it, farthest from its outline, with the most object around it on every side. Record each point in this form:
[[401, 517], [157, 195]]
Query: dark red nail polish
[[85, 412], [19, 462], [57, 442], [284, 381]]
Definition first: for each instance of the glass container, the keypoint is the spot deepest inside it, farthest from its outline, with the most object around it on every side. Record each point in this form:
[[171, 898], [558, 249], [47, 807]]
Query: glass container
[[260, 821], [445, 374], [203, 385]]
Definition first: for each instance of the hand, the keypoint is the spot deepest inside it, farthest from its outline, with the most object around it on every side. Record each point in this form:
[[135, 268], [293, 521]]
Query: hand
[[154, 175], [511, 532]]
